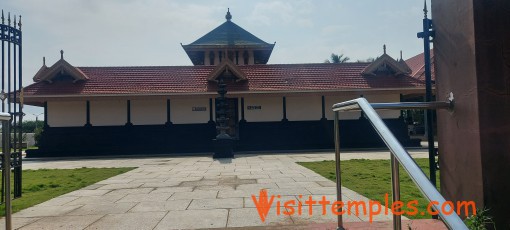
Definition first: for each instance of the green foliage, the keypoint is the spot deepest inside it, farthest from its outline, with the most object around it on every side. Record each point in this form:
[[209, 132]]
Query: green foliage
[[370, 59], [337, 58], [30, 126], [37, 135], [44, 184], [372, 178], [480, 221]]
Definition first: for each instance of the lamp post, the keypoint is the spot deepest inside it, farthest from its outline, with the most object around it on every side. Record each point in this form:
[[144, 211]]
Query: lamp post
[[37, 118], [224, 143]]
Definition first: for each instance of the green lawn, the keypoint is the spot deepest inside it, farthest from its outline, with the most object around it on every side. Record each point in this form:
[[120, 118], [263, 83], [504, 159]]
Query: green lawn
[[372, 178], [44, 184]]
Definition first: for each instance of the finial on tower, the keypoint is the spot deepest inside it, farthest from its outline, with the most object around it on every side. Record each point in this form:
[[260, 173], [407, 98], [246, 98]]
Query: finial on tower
[[401, 55], [228, 16], [14, 24], [3, 17], [425, 11], [9, 18], [61, 54], [384, 48], [44, 61], [19, 23]]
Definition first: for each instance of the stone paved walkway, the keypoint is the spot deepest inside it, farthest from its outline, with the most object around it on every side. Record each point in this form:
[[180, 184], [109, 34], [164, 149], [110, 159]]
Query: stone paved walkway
[[190, 192]]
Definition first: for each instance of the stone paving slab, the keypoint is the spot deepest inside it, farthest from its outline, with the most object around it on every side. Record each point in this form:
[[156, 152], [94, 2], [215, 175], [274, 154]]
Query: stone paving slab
[[248, 217], [193, 219], [62, 222], [176, 192], [216, 203], [171, 205], [128, 221], [18, 222], [102, 209]]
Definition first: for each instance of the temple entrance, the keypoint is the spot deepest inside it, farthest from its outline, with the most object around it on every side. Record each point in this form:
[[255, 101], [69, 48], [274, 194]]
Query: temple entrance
[[232, 114]]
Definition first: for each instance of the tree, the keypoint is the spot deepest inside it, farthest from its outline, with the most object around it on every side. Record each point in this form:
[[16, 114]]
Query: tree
[[337, 58], [30, 126], [370, 59]]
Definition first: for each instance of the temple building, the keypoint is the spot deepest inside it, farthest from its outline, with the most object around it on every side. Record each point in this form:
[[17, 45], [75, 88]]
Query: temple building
[[175, 109]]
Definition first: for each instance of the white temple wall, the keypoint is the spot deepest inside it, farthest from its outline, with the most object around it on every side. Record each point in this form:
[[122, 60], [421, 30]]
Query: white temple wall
[[189, 111], [66, 113], [148, 112], [108, 113]]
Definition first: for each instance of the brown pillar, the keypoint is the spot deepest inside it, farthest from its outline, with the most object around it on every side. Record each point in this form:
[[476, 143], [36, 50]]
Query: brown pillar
[[472, 60]]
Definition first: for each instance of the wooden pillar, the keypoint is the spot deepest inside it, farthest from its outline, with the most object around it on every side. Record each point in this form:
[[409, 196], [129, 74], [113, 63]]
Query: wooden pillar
[[211, 119], [168, 118], [87, 116], [361, 114], [128, 123], [46, 114], [472, 60], [284, 104], [401, 99], [323, 100], [242, 110]]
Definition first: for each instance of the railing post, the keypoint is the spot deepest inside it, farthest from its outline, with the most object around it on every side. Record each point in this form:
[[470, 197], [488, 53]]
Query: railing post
[[395, 189], [336, 128], [7, 169], [401, 156]]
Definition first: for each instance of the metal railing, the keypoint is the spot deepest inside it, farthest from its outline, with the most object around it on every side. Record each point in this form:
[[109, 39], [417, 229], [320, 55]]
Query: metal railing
[[398, 155], [5, 118]]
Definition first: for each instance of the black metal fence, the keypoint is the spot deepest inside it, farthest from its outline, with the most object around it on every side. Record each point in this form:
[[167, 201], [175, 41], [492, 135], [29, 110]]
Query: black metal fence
[[12, 103]]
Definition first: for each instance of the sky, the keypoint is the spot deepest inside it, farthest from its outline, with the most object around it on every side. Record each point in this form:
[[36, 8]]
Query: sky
[[150, 32]]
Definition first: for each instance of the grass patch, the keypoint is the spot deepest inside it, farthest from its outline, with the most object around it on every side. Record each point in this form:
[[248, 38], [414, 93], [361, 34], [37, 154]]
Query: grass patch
[[44, 184], [372, 178]]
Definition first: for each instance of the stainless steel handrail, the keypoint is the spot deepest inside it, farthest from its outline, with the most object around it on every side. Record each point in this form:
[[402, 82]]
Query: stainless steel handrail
[[452, 221], [350, 105]]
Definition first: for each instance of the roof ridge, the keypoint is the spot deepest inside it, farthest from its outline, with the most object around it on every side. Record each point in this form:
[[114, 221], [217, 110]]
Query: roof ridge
[[212, 66]]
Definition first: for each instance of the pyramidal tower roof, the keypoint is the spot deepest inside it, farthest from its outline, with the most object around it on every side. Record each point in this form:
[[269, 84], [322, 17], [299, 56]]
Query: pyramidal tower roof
[[229, 36]]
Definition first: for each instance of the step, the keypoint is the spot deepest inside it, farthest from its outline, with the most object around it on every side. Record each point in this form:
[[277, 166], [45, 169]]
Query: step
[[419, 224]]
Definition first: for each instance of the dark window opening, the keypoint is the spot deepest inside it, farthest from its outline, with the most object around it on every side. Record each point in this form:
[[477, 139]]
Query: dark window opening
[[246, 57], [211, 58]]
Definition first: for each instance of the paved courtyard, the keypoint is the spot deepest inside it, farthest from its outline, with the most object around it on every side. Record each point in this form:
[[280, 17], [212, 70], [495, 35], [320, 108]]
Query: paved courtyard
[[191, 192]]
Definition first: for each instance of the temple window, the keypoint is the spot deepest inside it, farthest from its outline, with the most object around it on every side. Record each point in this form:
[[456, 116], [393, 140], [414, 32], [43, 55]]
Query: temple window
[[246, 57], [211, 58]]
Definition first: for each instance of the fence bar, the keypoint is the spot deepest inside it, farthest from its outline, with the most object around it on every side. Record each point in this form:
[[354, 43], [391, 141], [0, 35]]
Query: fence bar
[[5, 118], [395, 190]]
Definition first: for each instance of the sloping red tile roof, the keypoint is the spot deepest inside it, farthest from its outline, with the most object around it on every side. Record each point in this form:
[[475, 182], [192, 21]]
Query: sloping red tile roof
[[417, 66], [193, 79]]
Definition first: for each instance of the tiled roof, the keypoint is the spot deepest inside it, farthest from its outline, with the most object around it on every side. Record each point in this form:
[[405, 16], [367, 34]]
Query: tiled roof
[[229, 34], [193, 79], [417, 66]]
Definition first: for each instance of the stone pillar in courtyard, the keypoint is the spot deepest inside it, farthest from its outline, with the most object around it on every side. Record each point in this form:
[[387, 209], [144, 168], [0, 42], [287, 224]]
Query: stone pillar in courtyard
[[472, 60], [224, 143]]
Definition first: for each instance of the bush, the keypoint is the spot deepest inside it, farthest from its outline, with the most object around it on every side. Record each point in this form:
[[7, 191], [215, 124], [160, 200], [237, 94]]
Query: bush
[[37, 135], [29, 126]]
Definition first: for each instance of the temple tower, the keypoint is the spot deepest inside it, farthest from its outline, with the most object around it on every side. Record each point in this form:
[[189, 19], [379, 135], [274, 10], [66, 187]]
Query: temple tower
[[229, 41]]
